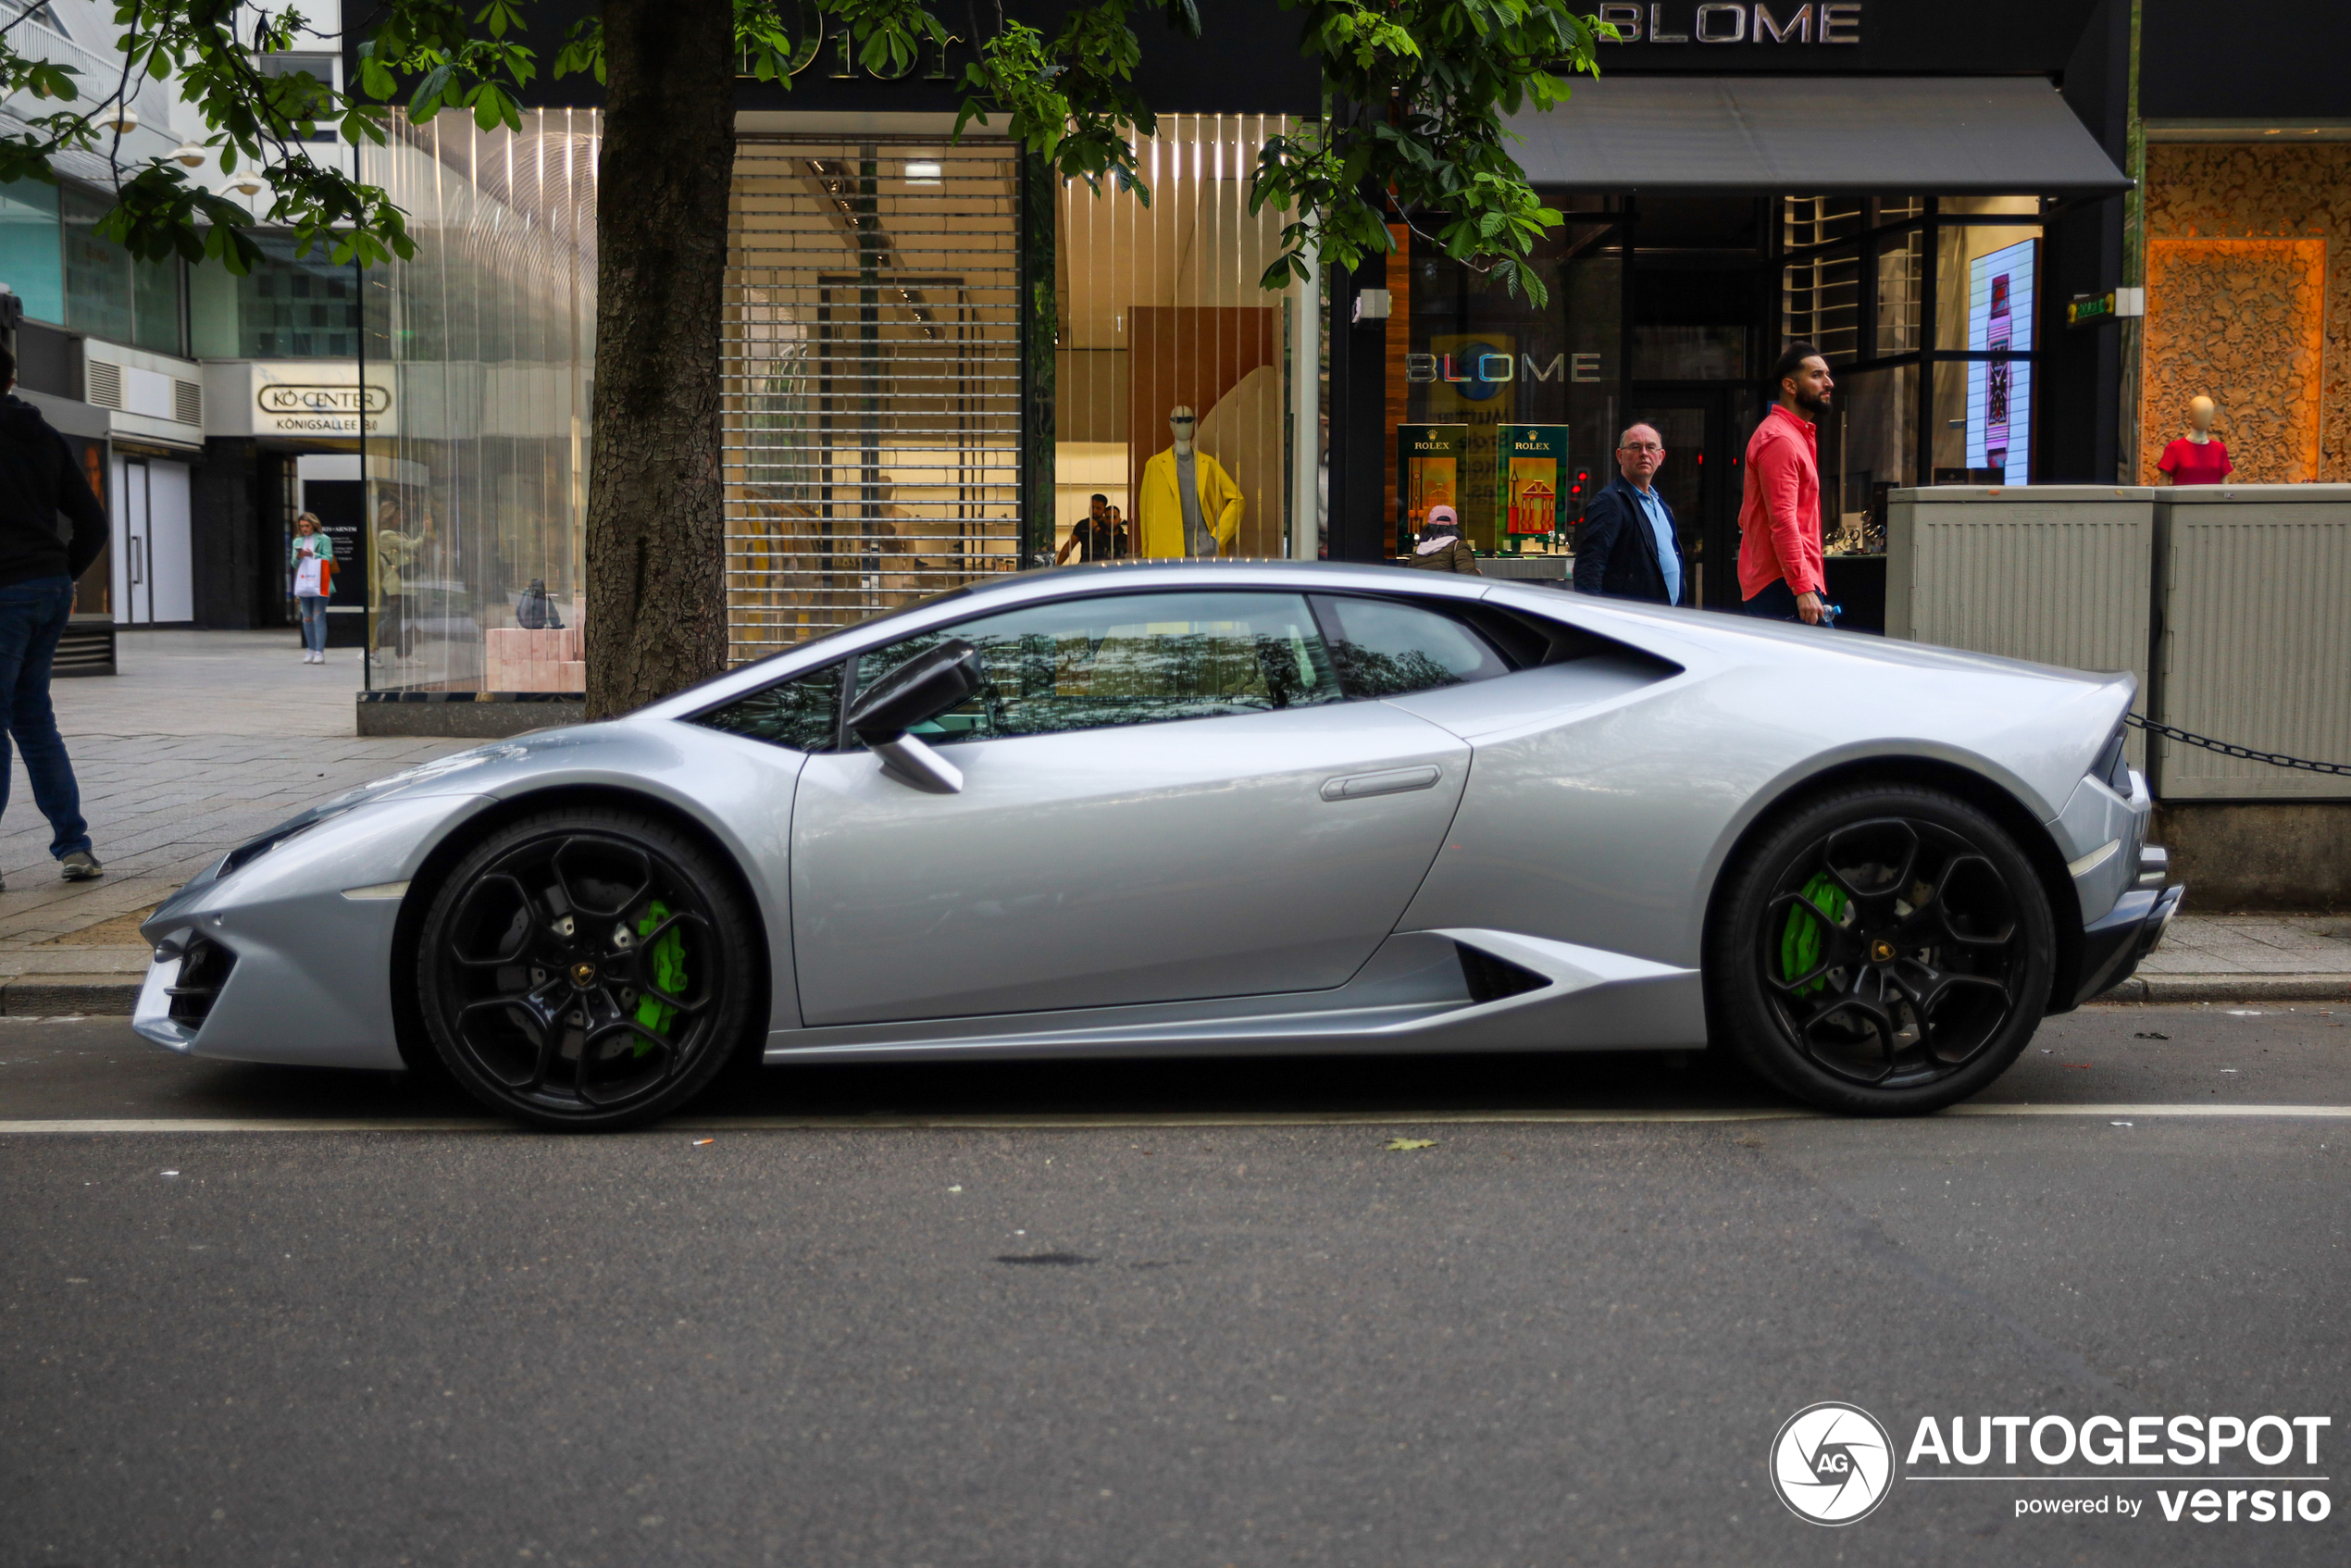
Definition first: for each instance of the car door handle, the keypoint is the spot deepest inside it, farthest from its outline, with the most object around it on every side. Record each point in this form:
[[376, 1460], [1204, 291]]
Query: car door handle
[[1394, 781]]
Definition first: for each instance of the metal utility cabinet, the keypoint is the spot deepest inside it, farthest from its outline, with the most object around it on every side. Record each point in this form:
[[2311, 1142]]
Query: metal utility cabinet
[[2255, 638], [2231, 604], [2057, 574]]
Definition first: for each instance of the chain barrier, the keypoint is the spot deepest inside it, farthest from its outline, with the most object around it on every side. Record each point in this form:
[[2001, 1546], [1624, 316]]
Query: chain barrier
[[2246, 753]]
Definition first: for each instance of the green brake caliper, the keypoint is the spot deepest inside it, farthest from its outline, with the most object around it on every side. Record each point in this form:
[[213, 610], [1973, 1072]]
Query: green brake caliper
[[668, 958], [1800, 943]]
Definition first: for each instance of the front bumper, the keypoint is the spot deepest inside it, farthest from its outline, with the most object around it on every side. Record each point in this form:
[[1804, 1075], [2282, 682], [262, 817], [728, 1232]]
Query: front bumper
[[2113, 945]]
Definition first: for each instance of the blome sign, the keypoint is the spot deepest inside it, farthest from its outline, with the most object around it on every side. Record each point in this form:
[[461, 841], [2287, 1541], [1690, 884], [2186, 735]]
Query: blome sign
[[1834, 1463]]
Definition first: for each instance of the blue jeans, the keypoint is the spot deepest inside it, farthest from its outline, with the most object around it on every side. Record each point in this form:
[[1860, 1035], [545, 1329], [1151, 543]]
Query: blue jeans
[[1774, 603], [313, 621], [32, 616]]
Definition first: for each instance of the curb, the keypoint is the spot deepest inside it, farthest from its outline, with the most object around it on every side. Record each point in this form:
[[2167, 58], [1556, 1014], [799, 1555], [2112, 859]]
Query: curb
[[48, 996], [2231, 988]]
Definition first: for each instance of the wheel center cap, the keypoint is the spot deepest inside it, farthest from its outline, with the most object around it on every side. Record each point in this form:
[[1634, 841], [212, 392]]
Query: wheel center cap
[[1881, 951], [583, 975]]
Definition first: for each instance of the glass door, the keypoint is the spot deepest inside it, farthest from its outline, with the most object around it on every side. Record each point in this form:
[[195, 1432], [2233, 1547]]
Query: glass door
[[1699, 480], [134, 594]]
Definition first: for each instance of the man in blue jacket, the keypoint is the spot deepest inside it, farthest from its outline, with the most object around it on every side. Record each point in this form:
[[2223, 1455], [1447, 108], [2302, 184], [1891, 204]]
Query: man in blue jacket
[[40, 481], [1626, 546]]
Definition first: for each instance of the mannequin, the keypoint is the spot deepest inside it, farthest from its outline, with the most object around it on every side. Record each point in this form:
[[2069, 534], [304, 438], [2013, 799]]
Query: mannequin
[[1175, 519], [2198, 457]]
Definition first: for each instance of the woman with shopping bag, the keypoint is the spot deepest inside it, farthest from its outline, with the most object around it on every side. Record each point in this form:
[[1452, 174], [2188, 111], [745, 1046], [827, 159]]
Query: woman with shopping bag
[[314, 568]]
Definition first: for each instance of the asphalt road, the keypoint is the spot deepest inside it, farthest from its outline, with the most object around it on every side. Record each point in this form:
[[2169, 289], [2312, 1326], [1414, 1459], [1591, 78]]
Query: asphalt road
[[1188, 1314]]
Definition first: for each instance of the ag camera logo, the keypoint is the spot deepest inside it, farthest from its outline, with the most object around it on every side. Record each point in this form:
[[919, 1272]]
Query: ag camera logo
[[1832, 1464]]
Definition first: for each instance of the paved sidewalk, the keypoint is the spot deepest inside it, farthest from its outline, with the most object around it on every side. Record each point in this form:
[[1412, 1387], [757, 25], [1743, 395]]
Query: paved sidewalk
[[2247, 958], [205, 738]]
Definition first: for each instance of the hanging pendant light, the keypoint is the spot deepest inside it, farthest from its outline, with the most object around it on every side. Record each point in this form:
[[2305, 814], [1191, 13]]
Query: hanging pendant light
[[121, 119], [189, 155]]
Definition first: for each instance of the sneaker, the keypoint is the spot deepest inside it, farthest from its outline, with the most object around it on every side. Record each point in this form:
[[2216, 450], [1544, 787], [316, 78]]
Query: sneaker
[[80, 867]]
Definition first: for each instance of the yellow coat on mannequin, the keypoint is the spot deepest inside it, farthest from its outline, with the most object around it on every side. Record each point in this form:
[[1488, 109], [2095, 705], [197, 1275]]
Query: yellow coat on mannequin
[[1158, 512]]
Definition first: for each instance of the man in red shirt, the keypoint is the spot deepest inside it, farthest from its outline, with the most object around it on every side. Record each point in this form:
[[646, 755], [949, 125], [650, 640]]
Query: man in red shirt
[[1780, 577]]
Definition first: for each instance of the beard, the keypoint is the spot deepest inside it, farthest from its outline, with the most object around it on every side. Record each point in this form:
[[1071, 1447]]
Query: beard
[[1813, 408]]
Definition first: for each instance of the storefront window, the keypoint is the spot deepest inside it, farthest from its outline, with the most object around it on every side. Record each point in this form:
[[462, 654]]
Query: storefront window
[[1986, 295], [1821, 298], [477, 470], [1691, 318], [287, 307], [1819, 220], [872, 360], [107, 293], [30, 263], [1484, 366], [1868, 445], [1159, 310], [1968, 259], [1901, 280]]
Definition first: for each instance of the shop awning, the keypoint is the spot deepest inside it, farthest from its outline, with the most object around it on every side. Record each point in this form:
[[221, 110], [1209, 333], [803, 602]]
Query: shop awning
[[1928, 136]]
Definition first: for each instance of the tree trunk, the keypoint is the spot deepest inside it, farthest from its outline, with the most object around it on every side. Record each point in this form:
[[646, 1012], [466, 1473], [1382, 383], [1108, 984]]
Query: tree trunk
[[657, 616]]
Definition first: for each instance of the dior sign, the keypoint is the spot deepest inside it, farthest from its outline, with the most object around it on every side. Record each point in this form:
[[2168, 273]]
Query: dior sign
[[1837, 22]]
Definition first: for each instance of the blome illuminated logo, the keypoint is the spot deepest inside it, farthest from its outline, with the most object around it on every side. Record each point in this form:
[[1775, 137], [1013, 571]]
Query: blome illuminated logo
[[1833, 1463]]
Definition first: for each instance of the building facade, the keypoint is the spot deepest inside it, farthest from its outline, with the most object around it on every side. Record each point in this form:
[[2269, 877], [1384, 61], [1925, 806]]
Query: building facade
[[936, 356]]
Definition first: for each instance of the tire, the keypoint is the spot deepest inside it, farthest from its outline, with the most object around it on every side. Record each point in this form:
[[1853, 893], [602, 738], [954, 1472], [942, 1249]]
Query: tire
[[588, 969], [1881, 951]]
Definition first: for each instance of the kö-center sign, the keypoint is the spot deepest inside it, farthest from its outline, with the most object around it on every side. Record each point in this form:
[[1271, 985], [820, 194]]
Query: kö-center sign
[[295, 399]]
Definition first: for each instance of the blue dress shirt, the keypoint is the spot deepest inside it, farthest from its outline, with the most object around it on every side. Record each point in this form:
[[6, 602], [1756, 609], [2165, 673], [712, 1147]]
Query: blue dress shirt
[[1653, 508]]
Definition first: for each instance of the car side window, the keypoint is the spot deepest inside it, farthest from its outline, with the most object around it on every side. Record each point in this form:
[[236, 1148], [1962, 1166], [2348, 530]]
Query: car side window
[[1388, 648], [1130, 658], [803, 714]]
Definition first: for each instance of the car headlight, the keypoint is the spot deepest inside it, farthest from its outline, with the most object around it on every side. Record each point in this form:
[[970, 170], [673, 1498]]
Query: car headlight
[[254, 849]]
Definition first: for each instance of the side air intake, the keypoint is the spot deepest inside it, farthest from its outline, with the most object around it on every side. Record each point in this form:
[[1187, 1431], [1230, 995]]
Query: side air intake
[[1492, 978], [202, 974]]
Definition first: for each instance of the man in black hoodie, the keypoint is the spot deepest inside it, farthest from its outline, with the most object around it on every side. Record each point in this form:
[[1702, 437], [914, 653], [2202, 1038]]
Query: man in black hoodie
[[39, 479]]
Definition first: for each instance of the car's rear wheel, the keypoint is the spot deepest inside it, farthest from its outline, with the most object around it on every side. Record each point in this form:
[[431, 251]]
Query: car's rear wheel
[[586, 969], [1881, 950]]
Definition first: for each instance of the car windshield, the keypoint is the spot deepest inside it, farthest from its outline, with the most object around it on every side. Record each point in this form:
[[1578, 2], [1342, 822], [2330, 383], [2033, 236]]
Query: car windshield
[[886, 616]]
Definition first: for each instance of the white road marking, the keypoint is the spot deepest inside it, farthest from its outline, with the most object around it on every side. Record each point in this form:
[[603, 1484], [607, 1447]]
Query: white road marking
[[1074, 1121]]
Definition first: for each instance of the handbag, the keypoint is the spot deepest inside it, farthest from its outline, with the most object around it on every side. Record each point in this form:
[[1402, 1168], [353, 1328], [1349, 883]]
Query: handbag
[[535, 611]]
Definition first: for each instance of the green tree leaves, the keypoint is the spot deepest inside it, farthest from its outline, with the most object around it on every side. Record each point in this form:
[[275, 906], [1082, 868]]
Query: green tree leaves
[[1413, 133], [1415, 94]]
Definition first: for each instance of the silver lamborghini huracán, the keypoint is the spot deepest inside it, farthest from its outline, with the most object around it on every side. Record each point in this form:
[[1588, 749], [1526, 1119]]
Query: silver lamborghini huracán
[[1214, 810]]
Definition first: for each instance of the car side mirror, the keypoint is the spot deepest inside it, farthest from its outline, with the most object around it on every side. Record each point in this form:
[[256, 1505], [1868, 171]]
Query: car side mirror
[[920, 689]]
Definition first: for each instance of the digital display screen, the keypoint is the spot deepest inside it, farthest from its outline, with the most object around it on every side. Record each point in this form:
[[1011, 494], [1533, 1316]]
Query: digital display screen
[[1999, 394]]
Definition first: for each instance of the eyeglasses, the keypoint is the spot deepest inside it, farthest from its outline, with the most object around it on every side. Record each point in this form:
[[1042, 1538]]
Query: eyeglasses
[[1641, 446]]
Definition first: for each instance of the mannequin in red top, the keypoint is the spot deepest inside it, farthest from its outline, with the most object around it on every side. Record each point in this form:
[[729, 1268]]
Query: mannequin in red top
[[2198, 457]]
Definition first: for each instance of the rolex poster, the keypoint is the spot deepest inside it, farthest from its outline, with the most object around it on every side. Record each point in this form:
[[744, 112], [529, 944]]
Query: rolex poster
[[1530, 475], [1428, 473]]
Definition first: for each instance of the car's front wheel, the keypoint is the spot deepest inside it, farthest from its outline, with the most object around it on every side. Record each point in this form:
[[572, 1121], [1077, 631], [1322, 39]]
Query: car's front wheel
[[586, 969], [1881, 950]]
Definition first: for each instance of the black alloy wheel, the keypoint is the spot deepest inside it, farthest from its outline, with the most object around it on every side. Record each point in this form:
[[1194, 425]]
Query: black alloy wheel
[[1883, 951], [586, 969]]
